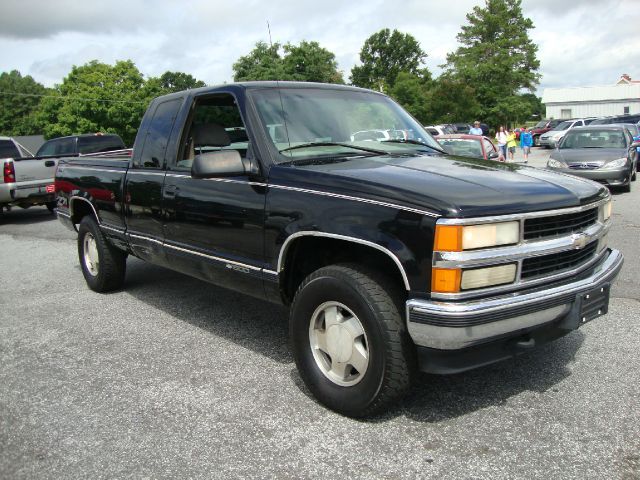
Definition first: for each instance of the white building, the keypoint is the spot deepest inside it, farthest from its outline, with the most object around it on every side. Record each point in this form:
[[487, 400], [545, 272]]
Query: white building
[[601, 101]]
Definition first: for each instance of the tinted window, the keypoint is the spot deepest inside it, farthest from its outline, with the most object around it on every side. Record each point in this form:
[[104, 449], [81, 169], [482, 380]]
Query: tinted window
[[155, 144], [8, 149], [99, 143], [462, 147], [58, 146]]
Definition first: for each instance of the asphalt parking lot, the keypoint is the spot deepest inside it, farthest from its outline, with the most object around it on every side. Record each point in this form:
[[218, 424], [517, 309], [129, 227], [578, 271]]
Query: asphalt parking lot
[[175, 378]]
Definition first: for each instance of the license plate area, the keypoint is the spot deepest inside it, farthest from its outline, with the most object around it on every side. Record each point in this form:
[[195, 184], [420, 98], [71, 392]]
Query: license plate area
[[593, 304]]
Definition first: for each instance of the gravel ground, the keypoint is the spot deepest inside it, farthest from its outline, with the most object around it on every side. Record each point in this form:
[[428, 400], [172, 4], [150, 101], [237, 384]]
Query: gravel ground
[[172, 377]]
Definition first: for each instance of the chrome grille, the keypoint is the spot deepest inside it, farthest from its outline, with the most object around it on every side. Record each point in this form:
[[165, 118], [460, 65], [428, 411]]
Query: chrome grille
[[542, 227], [557, 262]]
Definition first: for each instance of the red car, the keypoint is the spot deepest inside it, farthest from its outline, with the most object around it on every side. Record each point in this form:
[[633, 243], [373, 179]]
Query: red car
[[474, 146]]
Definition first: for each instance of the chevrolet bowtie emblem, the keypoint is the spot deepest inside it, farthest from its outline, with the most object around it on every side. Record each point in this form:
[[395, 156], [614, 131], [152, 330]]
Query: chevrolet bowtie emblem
[[578, 241]]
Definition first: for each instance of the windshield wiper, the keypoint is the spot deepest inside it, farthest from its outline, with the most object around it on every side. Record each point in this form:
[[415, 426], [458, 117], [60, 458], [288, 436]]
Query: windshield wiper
[[335, 144], [412, 142]]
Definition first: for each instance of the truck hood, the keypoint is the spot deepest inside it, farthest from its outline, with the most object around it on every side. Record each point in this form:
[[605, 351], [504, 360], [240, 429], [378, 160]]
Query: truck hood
[[448, 186], [582, 155]]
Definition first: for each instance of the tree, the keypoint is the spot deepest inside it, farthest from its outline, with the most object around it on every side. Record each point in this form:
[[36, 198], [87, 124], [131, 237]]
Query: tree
[[96, 97], [177, 81], [451, 100], [497, 58], [307, 62], [411, 91], [384, 55], [19, 100]]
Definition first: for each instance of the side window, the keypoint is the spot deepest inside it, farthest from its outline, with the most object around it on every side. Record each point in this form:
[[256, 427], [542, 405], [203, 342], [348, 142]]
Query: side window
[[215, 124], [58, 146], [488, 147], [158, 134]]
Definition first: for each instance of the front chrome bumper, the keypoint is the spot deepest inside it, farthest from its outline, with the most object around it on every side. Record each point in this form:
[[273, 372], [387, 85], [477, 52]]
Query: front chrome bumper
[[456, 325]]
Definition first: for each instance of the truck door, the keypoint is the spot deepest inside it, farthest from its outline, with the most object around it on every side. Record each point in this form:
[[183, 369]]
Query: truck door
[[214, 226], [144, 182]]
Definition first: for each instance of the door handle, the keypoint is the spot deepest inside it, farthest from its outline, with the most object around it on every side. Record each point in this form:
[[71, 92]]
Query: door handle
[[171, 190], [49, 163]]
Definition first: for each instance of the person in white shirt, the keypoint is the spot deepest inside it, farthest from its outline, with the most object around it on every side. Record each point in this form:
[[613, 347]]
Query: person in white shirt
[[475, 130], [501, 139]]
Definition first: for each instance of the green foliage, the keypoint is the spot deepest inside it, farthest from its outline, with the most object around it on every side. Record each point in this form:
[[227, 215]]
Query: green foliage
[[411, 91], [451, 100], [96, 97], [263, 63], [178, 81], [307, 62], [19, 100], [384, 55], [497, 58]]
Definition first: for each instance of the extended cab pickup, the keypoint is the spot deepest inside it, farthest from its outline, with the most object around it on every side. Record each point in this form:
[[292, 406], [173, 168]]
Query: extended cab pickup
[[392, 255]]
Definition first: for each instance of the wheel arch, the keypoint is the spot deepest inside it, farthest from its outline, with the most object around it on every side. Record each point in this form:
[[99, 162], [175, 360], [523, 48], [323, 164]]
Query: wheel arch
[[79, 207], [295, 261]]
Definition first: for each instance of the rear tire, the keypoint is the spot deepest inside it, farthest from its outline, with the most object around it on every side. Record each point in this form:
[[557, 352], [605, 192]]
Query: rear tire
[[51, 206], [103, 265], [349, 340]]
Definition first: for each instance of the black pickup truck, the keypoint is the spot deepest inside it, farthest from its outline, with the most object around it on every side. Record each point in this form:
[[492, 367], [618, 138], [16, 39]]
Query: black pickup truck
[[392, 255]]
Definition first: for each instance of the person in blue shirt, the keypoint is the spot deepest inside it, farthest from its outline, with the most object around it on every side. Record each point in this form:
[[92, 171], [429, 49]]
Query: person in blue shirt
[[526, 141], [475, 130]]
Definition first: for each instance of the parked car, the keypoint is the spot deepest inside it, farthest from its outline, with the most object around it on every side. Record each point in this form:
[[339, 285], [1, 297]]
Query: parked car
[[392, 256], [81, 144], [462, 127], [464, 145], [552, 137], [603, 153], [543, 126], [26, 181], [634, 118], [439, 129]]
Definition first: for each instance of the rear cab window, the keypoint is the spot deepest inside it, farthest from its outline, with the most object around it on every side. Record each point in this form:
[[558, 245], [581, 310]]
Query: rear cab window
[[99, 143], [8, 149]]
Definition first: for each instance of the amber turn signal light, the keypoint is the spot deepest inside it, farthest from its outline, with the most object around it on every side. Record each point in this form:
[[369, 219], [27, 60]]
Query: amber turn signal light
[[448, 238], [445, 280]]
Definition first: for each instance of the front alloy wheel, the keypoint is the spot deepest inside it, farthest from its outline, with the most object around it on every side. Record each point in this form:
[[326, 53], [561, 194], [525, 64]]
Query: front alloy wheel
[[339, 344], [90, 254]]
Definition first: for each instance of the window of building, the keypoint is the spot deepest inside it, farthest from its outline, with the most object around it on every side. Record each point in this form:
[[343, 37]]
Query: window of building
[[626, 110]]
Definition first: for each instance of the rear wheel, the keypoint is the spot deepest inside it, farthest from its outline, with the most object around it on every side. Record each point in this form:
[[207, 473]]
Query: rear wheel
[[51, 206], [103, 265], [349, 340]]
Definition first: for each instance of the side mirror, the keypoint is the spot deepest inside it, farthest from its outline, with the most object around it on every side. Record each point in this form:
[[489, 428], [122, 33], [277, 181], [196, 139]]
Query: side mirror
[[221, 163], [493, 155]]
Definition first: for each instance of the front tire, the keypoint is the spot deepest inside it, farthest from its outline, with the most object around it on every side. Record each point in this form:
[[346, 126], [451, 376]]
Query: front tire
[[349, 340], [103, 265]]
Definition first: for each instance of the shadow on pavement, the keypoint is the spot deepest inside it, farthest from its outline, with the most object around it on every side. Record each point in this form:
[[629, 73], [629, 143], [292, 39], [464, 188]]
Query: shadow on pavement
[[26, 216], [263, 328], [249, 322]]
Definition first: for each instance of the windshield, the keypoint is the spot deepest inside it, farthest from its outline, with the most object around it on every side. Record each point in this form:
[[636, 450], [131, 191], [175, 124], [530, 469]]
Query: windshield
[[594, 139], [563, 126], [462, 147], [314, 122], [541, 124]]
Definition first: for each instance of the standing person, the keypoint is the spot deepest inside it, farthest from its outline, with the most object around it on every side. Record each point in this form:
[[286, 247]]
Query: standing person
[[526, 141], [501, 139], [475, 130], [511, 144]]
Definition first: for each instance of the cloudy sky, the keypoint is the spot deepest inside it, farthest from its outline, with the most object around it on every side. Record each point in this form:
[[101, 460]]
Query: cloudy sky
[[581, 42]]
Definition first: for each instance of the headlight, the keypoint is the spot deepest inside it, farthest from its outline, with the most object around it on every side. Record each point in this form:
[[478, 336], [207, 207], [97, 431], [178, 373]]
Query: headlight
[[453, 280], [556, 164], [620, 162], [455, 238], [607, 208], [487, 277]]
